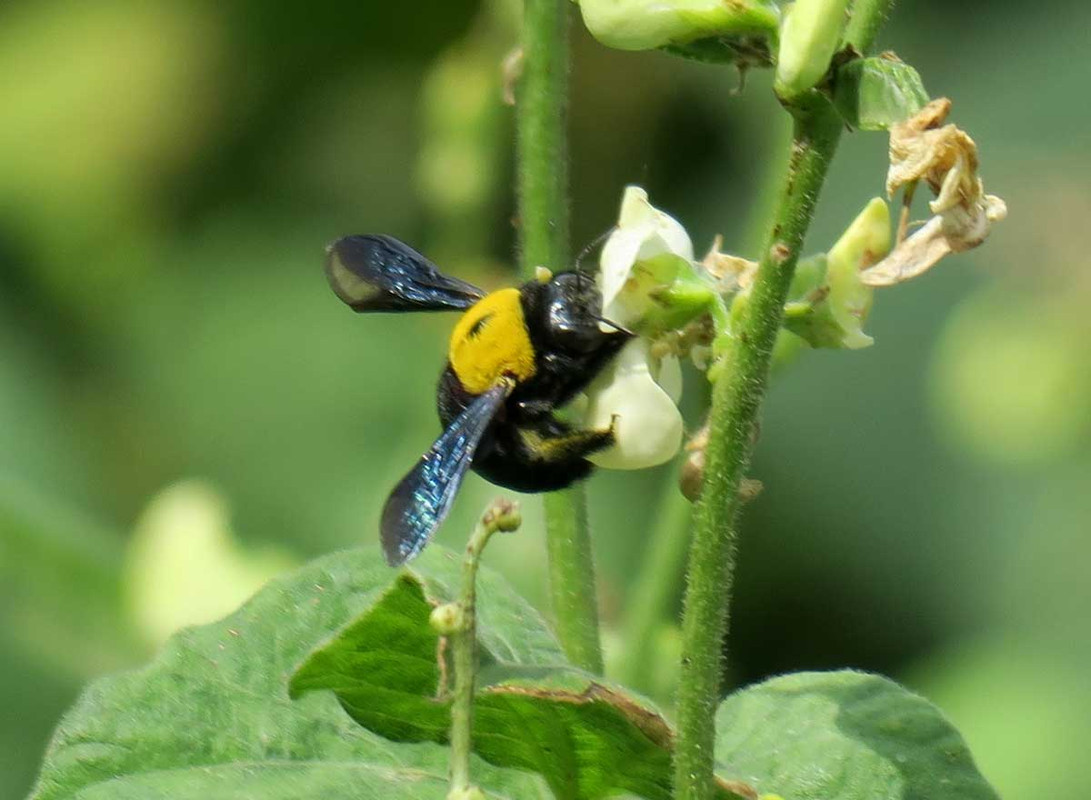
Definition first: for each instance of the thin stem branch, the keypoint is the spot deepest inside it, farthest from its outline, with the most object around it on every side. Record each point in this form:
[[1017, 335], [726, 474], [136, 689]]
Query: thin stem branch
[[736, 402], [541, 112], [502, 515]]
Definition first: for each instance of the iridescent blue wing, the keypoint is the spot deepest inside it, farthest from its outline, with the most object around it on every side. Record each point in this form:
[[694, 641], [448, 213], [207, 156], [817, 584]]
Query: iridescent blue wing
[[422, 499], [380, 273]]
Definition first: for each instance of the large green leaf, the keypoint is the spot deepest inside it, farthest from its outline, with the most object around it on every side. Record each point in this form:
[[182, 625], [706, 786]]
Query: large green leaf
[[586, 739], [873, 94], [844, 736], [210, 717]]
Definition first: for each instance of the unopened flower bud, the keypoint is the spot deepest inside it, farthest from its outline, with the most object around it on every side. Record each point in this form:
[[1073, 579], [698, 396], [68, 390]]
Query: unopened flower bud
[[448, 619], [503, 515], [831, 302], [808, 40], [647, 24]]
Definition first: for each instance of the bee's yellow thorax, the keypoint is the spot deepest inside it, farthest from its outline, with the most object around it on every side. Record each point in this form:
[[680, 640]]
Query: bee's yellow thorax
[[491, 340]]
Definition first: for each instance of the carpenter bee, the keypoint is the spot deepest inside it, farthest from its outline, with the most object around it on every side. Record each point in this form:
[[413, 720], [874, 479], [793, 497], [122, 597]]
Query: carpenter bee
[[515, 356]]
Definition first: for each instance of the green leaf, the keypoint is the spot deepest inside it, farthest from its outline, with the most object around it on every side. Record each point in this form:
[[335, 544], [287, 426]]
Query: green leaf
[[741, 51], [586, 739], [872, 94], [210, 717], [844, 736]]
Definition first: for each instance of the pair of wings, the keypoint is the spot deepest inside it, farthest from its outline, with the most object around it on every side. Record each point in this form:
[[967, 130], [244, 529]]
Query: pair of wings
[[380, 273]]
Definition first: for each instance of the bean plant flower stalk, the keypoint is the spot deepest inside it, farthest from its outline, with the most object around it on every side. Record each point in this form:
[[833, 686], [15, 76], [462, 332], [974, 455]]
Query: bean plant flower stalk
[[457, 621], [736, 402], [541, 111]]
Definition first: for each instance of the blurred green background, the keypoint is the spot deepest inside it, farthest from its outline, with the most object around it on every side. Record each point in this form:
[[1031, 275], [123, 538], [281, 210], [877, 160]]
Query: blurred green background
[[185, 407]]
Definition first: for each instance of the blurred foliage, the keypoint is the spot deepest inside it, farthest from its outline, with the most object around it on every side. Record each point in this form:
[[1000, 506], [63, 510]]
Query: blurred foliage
[[169, 174], [184, 567]]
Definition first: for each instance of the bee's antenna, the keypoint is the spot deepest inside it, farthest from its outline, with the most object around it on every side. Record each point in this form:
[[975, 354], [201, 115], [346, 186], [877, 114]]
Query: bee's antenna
[[592, 245], [581, 276]]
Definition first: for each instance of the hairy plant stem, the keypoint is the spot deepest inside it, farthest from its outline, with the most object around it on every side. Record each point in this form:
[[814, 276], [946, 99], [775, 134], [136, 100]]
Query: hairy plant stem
[[501, 515], [736, 401], [541, 112], [866, 17]]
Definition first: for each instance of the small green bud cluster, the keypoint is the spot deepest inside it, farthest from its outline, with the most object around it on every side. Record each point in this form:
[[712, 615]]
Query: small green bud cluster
[[448, 619]]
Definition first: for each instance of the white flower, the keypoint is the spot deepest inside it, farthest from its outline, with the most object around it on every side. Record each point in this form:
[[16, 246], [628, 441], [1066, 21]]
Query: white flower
[[639, 398], [638, 393], [645, 250]]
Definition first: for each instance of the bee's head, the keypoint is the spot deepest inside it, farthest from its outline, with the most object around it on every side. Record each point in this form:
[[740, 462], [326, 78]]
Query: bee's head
[[571, 313]]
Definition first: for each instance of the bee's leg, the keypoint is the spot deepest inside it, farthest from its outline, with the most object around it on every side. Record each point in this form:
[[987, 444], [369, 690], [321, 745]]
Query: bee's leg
[[554, 442], [542, 457]]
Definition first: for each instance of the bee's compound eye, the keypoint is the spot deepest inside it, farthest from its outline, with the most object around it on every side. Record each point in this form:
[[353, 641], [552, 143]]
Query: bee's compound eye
[[572, 312]]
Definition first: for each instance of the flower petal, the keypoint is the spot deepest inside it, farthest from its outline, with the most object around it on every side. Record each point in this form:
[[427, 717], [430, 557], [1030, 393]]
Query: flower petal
[[647, 423], [669, 377], [643, 233]]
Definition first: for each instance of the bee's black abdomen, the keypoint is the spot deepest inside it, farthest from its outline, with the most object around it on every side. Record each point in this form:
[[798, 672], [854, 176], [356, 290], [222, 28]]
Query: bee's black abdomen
[[522, 475], [504, 457]]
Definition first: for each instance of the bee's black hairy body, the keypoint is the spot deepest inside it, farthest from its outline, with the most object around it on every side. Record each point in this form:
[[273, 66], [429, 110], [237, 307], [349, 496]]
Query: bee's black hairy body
[[515, 356], [526, 447]]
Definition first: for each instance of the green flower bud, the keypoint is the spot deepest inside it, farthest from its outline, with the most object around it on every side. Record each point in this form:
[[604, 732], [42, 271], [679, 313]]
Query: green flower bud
[[448, 619], [808, 39], [866, 241], [647, 24], [830, 302], [503, 515]]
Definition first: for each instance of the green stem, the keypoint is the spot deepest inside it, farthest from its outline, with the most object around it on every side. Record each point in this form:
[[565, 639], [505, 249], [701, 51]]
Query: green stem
[[543, 211], [736, 399], [736, 402], [502, 515], [863, 26], [654, 590], [541, 112], [572, 577]]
